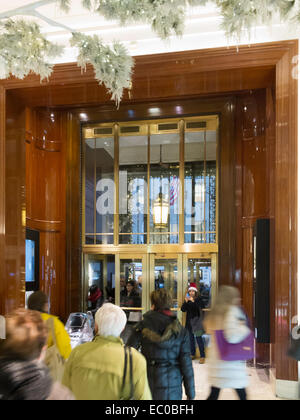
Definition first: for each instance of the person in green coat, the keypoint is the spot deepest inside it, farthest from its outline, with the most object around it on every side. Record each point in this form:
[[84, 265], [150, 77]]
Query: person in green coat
[[95, 370]]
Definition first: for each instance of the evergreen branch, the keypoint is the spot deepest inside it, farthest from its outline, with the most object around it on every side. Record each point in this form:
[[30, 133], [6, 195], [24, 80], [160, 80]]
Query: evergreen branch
[[113, 66]]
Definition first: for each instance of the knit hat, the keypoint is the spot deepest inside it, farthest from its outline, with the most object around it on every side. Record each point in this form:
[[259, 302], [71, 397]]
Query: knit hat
[[193, 287]]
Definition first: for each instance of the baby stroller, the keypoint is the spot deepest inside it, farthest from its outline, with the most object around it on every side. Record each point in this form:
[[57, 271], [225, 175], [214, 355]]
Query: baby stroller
[[80, 327]]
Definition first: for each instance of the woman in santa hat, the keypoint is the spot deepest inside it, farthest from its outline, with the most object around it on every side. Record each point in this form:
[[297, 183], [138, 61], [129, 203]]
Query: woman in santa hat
[[193, 306]]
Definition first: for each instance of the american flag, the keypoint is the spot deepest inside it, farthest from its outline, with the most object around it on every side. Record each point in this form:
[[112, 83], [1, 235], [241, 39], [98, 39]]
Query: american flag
[[173, 190]]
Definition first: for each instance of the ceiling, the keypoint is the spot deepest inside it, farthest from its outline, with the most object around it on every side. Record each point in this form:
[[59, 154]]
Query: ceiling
[[202, 30]]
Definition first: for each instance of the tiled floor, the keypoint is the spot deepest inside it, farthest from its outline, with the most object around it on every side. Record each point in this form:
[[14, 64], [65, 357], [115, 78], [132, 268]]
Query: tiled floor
[[259, 389]]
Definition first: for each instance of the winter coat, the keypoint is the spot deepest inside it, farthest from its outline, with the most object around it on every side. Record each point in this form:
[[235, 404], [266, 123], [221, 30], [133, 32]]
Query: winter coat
[[166, 346], [223, 374], [133, 300], [29, 381], [62, 337], [193, 310], [95, 371], [95, 301]]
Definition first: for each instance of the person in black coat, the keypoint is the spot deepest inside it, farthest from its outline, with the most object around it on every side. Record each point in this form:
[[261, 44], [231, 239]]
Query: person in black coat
[[130, 297], [165, 345], [193, 306]]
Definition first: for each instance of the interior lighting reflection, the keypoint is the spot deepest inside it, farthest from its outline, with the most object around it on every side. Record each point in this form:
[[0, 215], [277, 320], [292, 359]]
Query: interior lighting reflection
[[131, 113], [154, 111]]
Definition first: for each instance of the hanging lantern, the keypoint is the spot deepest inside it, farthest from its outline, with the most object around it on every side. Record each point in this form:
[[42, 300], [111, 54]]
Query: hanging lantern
[[161, 212]]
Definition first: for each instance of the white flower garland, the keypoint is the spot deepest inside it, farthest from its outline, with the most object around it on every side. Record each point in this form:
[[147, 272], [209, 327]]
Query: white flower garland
[[23, 49]]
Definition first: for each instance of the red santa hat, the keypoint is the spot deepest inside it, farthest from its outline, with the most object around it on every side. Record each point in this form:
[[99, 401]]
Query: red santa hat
[[193, 286]]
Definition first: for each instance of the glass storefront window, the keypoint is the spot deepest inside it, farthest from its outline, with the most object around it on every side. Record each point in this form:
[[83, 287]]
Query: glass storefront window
[[133, 166], [164, 180], [200, 187], [89, 153], [99, 191], [151, 161], [105, 190]]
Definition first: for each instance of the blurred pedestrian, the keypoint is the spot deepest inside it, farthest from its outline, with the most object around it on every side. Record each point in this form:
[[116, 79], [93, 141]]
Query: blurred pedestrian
[[23, 376], [95, 299], [95, 371], [165, 344], [227, 315], [38, 301], [193, 306], [130, 297]]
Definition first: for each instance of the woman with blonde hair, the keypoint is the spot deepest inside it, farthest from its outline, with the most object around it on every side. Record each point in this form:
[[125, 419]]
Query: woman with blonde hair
[[227, 315]]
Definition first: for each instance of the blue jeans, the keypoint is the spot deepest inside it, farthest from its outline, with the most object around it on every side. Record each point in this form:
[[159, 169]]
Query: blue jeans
[[201, 345]]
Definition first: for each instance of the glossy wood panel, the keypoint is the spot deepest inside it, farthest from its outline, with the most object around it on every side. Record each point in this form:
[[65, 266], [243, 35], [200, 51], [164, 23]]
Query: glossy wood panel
[[12, 290], [2, 200], [254, 167], [286, 222], [45, 200], [148, 86]]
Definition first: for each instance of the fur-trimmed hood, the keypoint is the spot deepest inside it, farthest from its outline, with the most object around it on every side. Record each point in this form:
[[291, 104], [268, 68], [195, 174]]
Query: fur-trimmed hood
[[159, 327]]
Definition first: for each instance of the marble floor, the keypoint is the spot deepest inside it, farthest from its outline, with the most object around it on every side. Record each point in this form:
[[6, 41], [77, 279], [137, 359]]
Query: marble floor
[[259, 389]]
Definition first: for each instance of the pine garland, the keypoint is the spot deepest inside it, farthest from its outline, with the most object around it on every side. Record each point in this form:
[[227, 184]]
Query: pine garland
[[23, 49], [113, 66], [166, 17], [241, 16]]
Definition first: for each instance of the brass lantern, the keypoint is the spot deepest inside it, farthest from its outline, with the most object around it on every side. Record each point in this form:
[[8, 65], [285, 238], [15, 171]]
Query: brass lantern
[[161, 210]]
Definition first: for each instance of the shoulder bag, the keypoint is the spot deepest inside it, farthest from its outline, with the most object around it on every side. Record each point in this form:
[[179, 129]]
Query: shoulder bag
[[197, 326], [127, 350], [242, 351]]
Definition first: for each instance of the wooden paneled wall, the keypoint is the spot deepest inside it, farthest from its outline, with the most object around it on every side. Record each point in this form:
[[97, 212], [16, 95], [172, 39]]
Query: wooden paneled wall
[[255, 167], [46, 199], [12, 204]]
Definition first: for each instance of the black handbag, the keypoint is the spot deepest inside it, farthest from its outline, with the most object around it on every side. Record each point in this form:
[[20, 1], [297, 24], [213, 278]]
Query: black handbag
[[197, 326], [127, 350]]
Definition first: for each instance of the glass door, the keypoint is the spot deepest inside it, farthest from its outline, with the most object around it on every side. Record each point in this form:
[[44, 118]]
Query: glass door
[[201, 270], [166, 273], [132, 285], [99, 271]]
